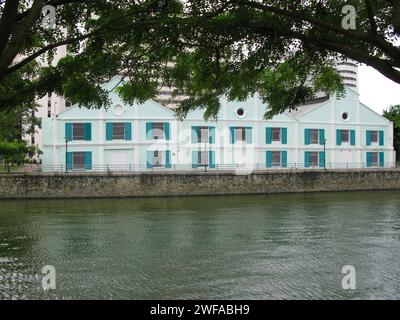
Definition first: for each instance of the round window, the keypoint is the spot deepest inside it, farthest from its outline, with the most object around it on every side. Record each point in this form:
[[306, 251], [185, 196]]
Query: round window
[[240, 112], [345, 116], [118, 110]]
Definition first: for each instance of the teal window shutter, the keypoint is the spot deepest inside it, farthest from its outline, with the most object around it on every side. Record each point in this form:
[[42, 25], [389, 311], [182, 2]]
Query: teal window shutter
[[88, 160], [108, 131], [284, 159], [321, 136], [369, 159], [88, 131], [381, 159], [381, 138], [168, 159], [68, 131], [249, 135], [322, 159], [268, 135], [307, 162], [353, 137], [149, 130], [211, 137], [211, 159], [128, 131], [269, 159], [167, 131], [368, 137], [232, 134], [195, 159], [195, 135], [149, 159], [306, 137], [284, 135], [339, 137], [69, 160]]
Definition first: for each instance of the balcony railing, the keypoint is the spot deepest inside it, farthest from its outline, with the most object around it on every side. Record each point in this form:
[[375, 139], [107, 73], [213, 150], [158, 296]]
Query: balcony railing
[[240, 168]]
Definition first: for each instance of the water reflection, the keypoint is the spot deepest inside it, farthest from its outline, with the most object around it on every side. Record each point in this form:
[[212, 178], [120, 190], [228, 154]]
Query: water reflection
[[240, 247]]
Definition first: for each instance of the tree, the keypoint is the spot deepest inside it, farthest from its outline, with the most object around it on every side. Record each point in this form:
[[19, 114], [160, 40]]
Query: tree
[[393, 114], [277, 48], [16, 153]]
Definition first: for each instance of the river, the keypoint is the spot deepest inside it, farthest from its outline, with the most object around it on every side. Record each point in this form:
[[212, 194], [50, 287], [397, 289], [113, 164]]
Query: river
[[233, 247]]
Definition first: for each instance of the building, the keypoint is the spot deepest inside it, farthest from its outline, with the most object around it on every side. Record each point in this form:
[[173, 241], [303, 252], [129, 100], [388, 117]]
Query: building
[[52, 104], [328, 133], [348, 70]]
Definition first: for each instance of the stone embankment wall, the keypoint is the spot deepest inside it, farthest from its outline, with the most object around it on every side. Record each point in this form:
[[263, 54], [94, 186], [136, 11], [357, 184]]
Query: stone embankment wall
[[185, 184]]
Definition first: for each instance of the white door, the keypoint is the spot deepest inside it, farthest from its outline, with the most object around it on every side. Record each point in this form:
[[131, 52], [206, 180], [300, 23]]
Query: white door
[[346, 159], [119, 160]]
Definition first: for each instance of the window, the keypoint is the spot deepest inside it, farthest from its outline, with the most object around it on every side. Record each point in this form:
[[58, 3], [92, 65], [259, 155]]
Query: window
[[157, 159], [240, 112], [276, 134], [49, 105], [202, 158], [314, 159], [240, 134], [345, 135], [314, 136], [158, 131], [276, 158], [374, 159], [78, 131], [345, 116], [78, 160], [202, 133], [374, 136], [118, 131]]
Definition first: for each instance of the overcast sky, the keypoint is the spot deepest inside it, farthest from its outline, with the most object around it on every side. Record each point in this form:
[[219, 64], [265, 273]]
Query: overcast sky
[[377, 91]]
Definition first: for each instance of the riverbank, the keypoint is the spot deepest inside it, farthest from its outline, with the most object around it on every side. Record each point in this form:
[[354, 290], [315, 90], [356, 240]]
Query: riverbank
[[74, 185]]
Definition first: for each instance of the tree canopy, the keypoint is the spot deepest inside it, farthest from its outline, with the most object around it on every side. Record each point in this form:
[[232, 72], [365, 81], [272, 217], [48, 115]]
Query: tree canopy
[[217, 47]]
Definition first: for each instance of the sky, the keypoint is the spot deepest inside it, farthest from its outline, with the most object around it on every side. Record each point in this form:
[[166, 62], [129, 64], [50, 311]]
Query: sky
[[377, 91]]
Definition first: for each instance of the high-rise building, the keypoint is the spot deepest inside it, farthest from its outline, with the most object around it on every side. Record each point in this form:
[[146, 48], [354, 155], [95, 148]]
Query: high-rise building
[[348, 69]]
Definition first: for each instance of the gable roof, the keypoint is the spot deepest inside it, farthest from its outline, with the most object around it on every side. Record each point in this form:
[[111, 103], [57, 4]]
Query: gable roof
[[302, 110]]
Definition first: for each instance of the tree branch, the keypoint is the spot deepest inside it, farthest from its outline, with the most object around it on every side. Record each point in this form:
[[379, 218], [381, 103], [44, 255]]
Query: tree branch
[[368, 6], [379, 42], [18, 37], [7, 22], [381, 65]]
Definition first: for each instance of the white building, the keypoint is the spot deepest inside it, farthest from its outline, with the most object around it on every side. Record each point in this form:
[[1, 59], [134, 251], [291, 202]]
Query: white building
[[333, 133]]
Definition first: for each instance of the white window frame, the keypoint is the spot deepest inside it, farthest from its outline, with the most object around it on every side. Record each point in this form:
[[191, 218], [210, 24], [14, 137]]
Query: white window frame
[[275, 130], [377, 137], [240, 132], [315, 154], [78, 138], [203, 158], [203, 134], [80, 155], [158, 131], [313, 131], [348, 135], [375, 164], [277, 154], [158, 154], [121, 124]]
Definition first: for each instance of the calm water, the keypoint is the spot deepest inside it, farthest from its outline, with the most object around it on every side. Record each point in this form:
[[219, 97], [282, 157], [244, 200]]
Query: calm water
[[242, 247]]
